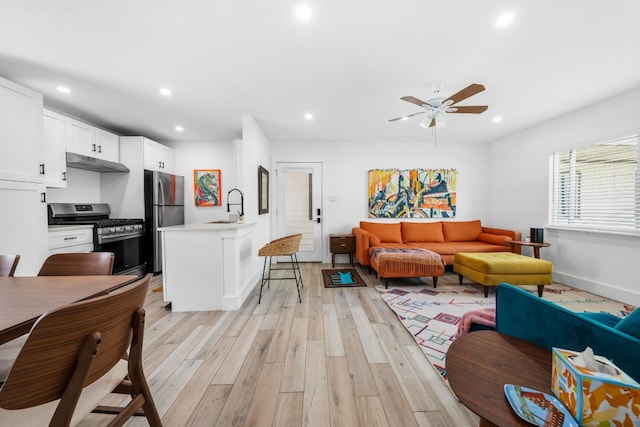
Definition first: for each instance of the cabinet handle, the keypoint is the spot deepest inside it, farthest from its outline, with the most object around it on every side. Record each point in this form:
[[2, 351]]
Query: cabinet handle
[[159, 165], [93, 147], [64, 176], [99, 148], [71, 238], [41, 168], [43, 197]]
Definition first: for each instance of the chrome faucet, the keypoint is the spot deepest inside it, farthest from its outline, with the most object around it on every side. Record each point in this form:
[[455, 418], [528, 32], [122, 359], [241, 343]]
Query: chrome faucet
[[233, 204]]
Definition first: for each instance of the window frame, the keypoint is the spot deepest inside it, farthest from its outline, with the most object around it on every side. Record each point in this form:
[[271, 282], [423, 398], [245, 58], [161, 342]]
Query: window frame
[[567, 208]]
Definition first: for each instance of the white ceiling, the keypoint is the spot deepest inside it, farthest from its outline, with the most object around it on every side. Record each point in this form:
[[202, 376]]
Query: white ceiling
[[349, 65]]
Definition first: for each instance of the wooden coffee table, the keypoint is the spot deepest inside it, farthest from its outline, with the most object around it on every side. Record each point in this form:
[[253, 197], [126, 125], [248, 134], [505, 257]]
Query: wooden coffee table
[[480, 363]]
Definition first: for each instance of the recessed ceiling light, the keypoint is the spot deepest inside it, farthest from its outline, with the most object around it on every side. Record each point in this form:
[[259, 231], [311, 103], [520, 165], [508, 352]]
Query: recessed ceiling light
[[179, 128], [165, 91], [303, 12], [308, 116], [496, 119], [64, 89], [505, 19]]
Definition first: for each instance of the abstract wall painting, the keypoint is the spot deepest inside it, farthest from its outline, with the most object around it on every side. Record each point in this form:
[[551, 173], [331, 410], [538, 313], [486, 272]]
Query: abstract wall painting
[[207, 187], [412, 193]]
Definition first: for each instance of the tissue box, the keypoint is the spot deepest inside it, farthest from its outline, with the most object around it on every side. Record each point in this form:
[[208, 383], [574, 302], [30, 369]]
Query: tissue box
[[594, 398]]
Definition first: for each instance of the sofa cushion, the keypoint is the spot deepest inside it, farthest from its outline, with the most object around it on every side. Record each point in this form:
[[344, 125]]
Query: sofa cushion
[[374, 240], [630, 324], [602, 317], [387, 233], [417, 232], [494, 239], [461, 231]]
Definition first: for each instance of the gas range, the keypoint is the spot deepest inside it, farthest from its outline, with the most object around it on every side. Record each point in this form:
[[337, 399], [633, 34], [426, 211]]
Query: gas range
[[96, 214], [122, 236]]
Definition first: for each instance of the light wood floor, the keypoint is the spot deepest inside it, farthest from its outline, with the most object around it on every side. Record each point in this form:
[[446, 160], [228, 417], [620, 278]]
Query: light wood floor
[[339, 358]]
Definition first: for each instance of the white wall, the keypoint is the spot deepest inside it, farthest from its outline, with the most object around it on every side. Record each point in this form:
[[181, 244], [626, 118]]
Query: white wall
[[345, 168], [518, 171], [255, 150], [82, 187], [204, 155]]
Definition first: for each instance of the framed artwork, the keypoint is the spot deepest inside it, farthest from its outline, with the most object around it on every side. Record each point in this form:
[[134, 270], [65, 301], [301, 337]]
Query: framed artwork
[[207, 187], [263, 190], [412, 193]]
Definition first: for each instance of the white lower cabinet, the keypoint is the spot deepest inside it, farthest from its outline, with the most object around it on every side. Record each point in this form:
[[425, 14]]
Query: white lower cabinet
[[70, 238], [23, 224]]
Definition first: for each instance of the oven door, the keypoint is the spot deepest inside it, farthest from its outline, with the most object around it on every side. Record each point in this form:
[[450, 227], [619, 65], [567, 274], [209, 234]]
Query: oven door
[[127, 251]]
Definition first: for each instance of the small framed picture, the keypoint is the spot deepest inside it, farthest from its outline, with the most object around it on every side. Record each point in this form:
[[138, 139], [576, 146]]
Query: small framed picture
[[263, 190]]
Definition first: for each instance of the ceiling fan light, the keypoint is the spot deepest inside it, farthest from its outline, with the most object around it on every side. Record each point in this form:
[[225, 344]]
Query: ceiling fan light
[[425, 122]]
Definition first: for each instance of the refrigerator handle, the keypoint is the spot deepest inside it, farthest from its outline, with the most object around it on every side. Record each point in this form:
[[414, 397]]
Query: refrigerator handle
[[160, 218], [160, 199]]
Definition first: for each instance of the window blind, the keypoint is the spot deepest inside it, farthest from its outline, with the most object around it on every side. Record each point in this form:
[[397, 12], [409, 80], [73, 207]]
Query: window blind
[[596, 186]]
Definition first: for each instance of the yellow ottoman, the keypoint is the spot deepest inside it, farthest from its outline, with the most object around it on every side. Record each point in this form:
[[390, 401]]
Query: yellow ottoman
[[492, 268]]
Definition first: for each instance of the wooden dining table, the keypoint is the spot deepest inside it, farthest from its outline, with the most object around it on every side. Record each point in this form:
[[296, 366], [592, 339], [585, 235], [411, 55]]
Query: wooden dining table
[[24, 299]]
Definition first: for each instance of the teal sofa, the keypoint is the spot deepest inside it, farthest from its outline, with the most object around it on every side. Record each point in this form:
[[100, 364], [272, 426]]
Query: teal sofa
[[534, 319]]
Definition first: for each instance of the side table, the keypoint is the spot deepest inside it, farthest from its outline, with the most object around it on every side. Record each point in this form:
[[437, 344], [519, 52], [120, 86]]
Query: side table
[[536, 246], [342, 244], [480, 363]]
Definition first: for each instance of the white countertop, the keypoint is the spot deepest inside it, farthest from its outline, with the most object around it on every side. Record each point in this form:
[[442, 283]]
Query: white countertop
[[208, 226], [70, 227]]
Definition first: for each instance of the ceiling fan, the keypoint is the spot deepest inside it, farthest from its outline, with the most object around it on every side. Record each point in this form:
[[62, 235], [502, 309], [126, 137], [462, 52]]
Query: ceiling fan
[[438, 107]]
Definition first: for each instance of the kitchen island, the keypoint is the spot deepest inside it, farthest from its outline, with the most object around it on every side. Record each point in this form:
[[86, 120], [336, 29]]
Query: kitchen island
[[209, 266]]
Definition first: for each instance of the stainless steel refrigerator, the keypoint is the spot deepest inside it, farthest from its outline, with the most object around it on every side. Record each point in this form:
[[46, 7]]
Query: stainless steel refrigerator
[[163, 207]]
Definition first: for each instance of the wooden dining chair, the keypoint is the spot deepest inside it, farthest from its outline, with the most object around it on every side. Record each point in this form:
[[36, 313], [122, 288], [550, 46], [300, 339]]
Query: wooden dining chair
[[78, 264], [70, 348], [8, 264]]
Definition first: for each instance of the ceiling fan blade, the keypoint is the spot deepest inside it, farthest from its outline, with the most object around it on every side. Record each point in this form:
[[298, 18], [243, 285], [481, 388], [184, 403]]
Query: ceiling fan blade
[[472, 109], [465, 93], [416, 101], [407, 116]]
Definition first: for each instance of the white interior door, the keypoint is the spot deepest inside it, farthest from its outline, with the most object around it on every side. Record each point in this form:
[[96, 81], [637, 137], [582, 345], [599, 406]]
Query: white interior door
[[299, 206]]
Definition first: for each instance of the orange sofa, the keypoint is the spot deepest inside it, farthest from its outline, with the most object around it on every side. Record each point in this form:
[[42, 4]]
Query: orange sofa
[[443, 237]]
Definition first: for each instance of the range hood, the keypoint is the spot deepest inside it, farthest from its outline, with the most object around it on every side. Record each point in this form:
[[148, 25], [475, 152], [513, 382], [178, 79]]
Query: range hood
[[79, 161]]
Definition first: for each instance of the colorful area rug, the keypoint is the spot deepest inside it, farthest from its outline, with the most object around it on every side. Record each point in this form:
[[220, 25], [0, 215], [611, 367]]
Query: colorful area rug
[[432, 315], [342, 277]]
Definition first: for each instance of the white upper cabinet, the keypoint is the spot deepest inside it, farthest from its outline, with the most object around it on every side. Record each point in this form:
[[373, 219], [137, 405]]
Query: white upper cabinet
[[21, 140], [55, 162], [158, 157], [88, 140], [80, 137], [107, 145]]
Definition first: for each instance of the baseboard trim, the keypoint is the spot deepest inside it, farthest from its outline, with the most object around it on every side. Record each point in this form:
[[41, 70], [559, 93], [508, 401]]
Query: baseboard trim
[[609, 291]]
